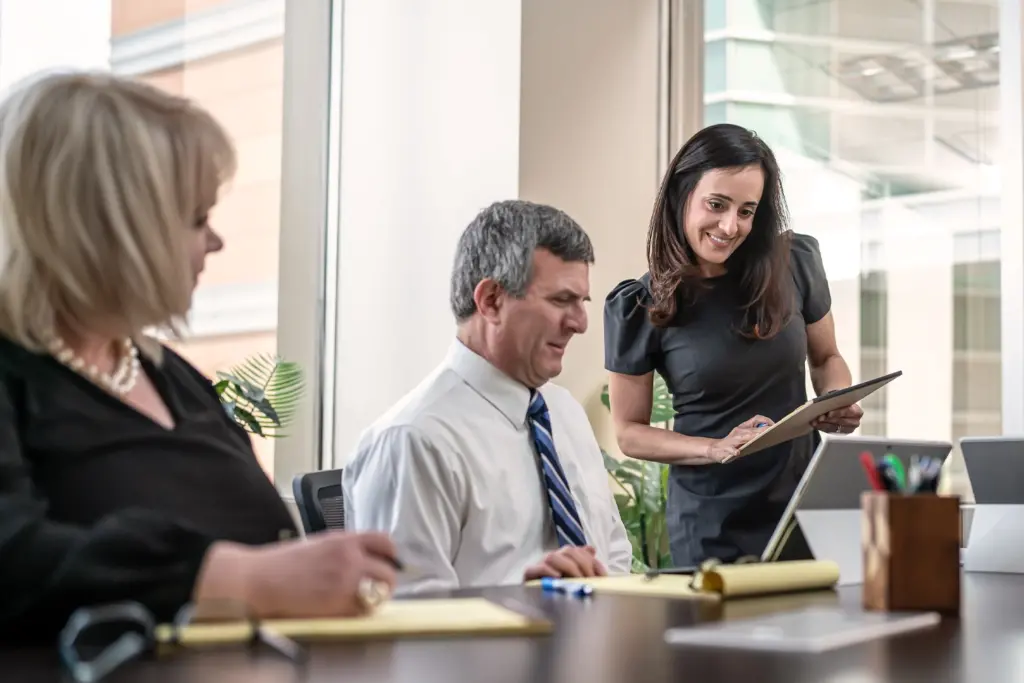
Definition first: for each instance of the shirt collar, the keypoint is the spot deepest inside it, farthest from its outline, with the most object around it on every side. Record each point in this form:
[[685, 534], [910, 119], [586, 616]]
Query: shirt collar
[[511, 398]]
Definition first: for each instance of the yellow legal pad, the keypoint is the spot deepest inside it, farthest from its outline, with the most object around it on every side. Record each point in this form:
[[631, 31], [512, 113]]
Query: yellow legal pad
[[665, 586], [769, 578], [393, 619], [724, 581]]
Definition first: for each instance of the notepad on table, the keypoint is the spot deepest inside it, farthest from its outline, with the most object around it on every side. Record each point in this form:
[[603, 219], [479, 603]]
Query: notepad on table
[[724, 581], [393, 619], [666, 586], [769, 578]]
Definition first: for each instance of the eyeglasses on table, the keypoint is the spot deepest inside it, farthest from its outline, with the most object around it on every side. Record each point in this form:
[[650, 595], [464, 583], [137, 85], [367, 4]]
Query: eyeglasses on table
[[96, 641]]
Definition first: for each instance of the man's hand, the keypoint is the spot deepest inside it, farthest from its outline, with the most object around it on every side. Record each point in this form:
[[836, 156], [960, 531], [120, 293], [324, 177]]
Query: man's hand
[[567, 562]]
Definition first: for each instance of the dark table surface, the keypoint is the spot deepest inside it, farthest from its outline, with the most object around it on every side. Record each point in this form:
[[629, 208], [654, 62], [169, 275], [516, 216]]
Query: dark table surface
[[620, 638]]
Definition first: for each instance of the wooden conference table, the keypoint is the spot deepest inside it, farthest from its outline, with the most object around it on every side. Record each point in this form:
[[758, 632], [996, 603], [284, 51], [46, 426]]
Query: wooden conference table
[[618, 638]]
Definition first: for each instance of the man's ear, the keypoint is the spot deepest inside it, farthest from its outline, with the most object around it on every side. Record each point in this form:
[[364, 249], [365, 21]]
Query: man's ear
[[489, 297]]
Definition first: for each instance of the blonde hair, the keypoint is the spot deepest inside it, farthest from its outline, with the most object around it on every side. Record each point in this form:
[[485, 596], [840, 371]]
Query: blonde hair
[[102, 180]]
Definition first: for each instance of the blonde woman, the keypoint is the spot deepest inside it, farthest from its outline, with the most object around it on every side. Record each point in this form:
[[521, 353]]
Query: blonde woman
[[121, 478]]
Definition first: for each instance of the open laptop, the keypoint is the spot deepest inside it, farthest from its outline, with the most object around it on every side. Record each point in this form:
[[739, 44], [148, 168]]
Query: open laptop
[[826, 504], [995, 467]]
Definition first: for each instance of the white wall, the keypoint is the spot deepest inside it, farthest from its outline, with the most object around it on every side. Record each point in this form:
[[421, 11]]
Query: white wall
[[38, 35], [429, 136], [589, 145]]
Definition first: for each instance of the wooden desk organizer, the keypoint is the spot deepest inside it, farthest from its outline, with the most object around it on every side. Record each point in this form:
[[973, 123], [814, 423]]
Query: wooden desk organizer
[[911, 551]]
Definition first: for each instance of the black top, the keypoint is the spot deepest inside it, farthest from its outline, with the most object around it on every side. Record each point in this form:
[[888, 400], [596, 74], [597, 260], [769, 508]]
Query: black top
[[719, 379], [98, 503]]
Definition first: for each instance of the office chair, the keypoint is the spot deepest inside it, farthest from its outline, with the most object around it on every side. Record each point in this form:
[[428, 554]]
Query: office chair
[[319, 497]]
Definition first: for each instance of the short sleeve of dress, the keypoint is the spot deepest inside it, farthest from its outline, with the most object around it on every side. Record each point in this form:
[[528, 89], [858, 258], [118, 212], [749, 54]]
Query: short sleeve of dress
[[809, 274], [631, 342]]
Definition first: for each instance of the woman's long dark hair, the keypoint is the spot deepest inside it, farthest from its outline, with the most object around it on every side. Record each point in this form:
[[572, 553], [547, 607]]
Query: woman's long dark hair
[[761, 262]]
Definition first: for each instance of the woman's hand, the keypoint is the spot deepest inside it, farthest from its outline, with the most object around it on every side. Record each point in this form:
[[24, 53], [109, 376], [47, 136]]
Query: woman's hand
[[724, 450], [328, 574], [840, 421]]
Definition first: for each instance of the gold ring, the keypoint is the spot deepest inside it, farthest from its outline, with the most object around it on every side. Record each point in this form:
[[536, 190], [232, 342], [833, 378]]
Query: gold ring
[[372, 593]]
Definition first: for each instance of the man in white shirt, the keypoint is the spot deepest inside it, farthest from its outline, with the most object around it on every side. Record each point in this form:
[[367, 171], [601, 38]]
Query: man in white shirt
[[487, 474]]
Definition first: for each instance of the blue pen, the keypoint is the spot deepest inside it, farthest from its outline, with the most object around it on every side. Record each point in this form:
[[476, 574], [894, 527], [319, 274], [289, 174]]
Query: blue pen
[[890, 480], [929, 471], [576, 590]]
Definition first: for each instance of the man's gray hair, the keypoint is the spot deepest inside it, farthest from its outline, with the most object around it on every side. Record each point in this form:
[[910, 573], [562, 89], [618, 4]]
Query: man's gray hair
[[499, 245]]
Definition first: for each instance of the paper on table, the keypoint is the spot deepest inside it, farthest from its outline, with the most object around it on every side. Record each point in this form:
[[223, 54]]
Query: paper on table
[[397, 618], [765, 578]]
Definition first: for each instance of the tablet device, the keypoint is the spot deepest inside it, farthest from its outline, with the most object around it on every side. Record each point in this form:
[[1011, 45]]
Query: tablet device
[[814, 629], [798, 422], [826, 503]]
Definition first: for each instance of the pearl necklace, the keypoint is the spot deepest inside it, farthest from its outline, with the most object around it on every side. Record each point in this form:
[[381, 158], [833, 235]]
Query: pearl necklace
[[119, 382]]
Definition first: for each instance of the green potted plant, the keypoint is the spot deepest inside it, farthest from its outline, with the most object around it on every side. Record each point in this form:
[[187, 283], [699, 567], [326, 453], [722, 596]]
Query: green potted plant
[[261, 394], [644, 490]]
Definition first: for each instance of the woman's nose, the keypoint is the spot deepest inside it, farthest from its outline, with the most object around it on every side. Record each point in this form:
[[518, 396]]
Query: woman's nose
[[214, 242]]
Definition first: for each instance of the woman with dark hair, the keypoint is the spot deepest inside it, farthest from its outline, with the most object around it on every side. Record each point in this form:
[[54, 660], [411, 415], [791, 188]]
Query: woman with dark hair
[[733, 308]]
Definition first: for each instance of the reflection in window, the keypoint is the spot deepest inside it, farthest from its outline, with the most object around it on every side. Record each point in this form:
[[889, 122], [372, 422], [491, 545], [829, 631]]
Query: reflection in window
[[227, 55], [885, 120]]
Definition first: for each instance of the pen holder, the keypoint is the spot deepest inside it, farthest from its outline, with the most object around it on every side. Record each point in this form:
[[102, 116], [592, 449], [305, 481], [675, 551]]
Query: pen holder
[[911, 552]]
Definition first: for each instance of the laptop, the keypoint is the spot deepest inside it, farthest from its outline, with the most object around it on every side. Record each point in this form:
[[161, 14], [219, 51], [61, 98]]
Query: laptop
[[995, 467], [826, 504]]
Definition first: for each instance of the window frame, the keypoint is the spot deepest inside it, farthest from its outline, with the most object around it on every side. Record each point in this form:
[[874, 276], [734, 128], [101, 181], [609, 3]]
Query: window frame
[[307, 277], [1011, 109]]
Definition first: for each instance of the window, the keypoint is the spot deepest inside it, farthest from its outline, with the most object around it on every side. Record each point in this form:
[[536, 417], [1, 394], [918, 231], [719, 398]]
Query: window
[[885, 120], [227, 55]]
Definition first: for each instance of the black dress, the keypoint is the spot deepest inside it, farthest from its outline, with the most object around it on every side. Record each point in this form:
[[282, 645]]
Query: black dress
[[719, 379], [99, 504]]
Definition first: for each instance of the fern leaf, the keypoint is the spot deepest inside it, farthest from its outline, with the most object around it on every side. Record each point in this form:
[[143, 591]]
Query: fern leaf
[[263, 393]]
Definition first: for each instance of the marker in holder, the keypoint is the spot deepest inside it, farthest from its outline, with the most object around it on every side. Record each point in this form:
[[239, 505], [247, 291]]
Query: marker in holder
[[571, 588]]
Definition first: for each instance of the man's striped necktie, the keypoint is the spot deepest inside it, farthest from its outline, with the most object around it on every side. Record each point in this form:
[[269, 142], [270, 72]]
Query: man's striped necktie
[[568, 527]]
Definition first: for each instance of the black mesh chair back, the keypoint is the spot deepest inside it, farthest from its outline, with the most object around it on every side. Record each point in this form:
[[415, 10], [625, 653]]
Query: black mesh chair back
[[319, 497]]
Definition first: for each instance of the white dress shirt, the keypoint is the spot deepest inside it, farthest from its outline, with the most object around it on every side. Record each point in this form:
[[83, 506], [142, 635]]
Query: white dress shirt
[[451, 473]]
